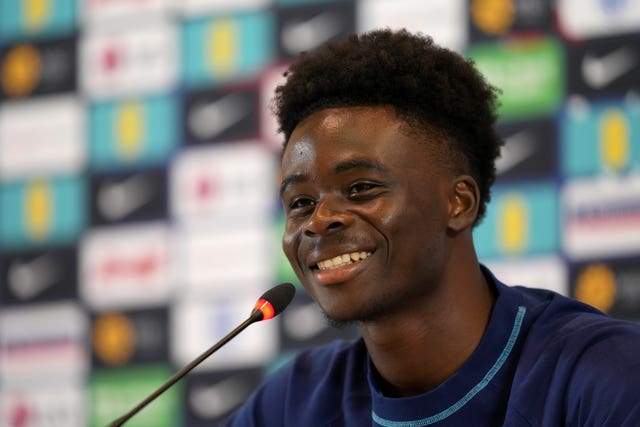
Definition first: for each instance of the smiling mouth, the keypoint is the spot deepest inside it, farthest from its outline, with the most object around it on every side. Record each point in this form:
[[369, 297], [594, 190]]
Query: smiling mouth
[[341, 260]]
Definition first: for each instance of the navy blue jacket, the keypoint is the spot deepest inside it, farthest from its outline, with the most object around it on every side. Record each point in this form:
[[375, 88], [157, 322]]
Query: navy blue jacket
[[545, 360]]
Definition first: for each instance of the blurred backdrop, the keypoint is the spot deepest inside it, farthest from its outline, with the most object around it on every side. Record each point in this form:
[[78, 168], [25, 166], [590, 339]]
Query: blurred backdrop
[[139, 219]]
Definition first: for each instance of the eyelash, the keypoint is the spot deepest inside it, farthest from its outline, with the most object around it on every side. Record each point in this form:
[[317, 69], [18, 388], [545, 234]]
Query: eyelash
[[354, 187], [295, 202]]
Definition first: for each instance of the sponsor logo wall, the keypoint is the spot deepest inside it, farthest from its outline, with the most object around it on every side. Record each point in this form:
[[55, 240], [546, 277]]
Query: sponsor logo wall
[[139, 217]]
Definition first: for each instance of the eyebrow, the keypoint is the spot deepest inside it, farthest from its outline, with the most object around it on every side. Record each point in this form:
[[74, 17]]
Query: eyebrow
[[347, 165], [359, 163], [292, 179]]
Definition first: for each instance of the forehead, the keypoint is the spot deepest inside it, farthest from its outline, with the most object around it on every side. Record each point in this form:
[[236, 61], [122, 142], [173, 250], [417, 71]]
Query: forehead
[[341, 120], [340, 132]]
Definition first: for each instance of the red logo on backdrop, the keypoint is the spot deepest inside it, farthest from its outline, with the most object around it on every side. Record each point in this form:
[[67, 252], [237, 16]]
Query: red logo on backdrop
[[19, 350], [206, 187], [126, 265], [111, 58], [141, 267], [19, 414]]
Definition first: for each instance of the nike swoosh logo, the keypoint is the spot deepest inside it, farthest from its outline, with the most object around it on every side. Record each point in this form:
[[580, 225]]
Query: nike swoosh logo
[[599, 72], [304, 322], [120, 199], [28, 279], [517, 148], [306, 35], [213, 401], [209, 120]]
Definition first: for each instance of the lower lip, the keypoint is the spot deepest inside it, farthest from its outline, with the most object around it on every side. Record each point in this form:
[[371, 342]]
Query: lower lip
[[338, 275]]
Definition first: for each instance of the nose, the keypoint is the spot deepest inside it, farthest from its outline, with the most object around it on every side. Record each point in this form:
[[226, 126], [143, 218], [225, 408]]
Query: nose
[[328, 216]]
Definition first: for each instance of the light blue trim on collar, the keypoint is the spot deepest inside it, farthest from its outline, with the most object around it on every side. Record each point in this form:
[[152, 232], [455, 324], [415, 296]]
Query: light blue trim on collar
[[475, 390]]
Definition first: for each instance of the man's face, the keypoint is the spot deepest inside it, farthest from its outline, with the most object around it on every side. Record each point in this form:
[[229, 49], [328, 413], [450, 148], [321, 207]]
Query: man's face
[[366, 212]]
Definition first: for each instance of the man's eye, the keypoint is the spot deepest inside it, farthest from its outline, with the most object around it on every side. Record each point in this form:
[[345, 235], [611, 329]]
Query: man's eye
[[360, 187], [301, 203]]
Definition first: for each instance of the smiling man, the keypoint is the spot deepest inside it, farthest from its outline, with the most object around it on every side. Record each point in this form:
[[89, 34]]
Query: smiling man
[[387, 166]]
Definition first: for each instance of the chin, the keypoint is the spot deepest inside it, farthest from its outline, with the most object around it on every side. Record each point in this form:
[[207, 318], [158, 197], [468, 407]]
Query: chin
[[341, 318], [338, 323]]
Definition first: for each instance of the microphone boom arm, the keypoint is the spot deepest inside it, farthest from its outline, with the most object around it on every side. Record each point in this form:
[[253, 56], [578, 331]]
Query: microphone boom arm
[[256, 316], [270, 304]]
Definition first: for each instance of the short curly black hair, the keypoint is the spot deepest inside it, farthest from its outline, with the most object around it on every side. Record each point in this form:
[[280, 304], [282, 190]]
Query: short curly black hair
[[428, 86]]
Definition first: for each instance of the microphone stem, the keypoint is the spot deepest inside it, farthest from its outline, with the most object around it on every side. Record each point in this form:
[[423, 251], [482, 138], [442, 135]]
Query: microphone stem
[[255, 316]]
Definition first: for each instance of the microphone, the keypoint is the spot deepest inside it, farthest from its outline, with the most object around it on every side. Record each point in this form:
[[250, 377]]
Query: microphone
[[268, 306]]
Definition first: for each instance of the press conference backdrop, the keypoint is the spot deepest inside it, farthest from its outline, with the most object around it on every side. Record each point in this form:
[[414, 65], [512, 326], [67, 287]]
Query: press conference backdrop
[[138, 165]]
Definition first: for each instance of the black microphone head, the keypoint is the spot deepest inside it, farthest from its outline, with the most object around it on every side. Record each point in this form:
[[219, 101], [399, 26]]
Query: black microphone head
[[275, 300]]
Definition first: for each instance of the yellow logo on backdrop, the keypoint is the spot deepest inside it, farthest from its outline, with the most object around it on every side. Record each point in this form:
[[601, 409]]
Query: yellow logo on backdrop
[[130, 129], [614, 140], [38, 210], [21, 70], [596, 286], [113, 338], [493, 16], [513, 224], [222, 47], [35, 13]]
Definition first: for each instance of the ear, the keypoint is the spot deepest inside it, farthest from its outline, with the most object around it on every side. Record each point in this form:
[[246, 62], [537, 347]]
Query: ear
[[464, 199]]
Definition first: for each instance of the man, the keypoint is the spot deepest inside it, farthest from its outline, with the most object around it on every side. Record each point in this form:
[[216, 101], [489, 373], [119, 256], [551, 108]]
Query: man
[[388, 161]]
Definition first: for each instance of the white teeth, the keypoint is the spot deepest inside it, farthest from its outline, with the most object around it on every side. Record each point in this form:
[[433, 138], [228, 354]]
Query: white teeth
[[343, 259]]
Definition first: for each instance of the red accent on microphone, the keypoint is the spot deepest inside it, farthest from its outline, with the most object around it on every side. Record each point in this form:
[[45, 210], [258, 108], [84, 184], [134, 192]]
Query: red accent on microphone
[[266, 308]]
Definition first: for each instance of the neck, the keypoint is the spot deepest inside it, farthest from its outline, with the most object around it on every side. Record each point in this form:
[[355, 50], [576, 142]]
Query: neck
[[416, 350]]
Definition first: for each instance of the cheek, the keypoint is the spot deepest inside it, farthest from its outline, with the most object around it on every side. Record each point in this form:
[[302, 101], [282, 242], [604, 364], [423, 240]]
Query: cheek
[[385, 214], [289, 245], [396, 217], [412, 227]]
